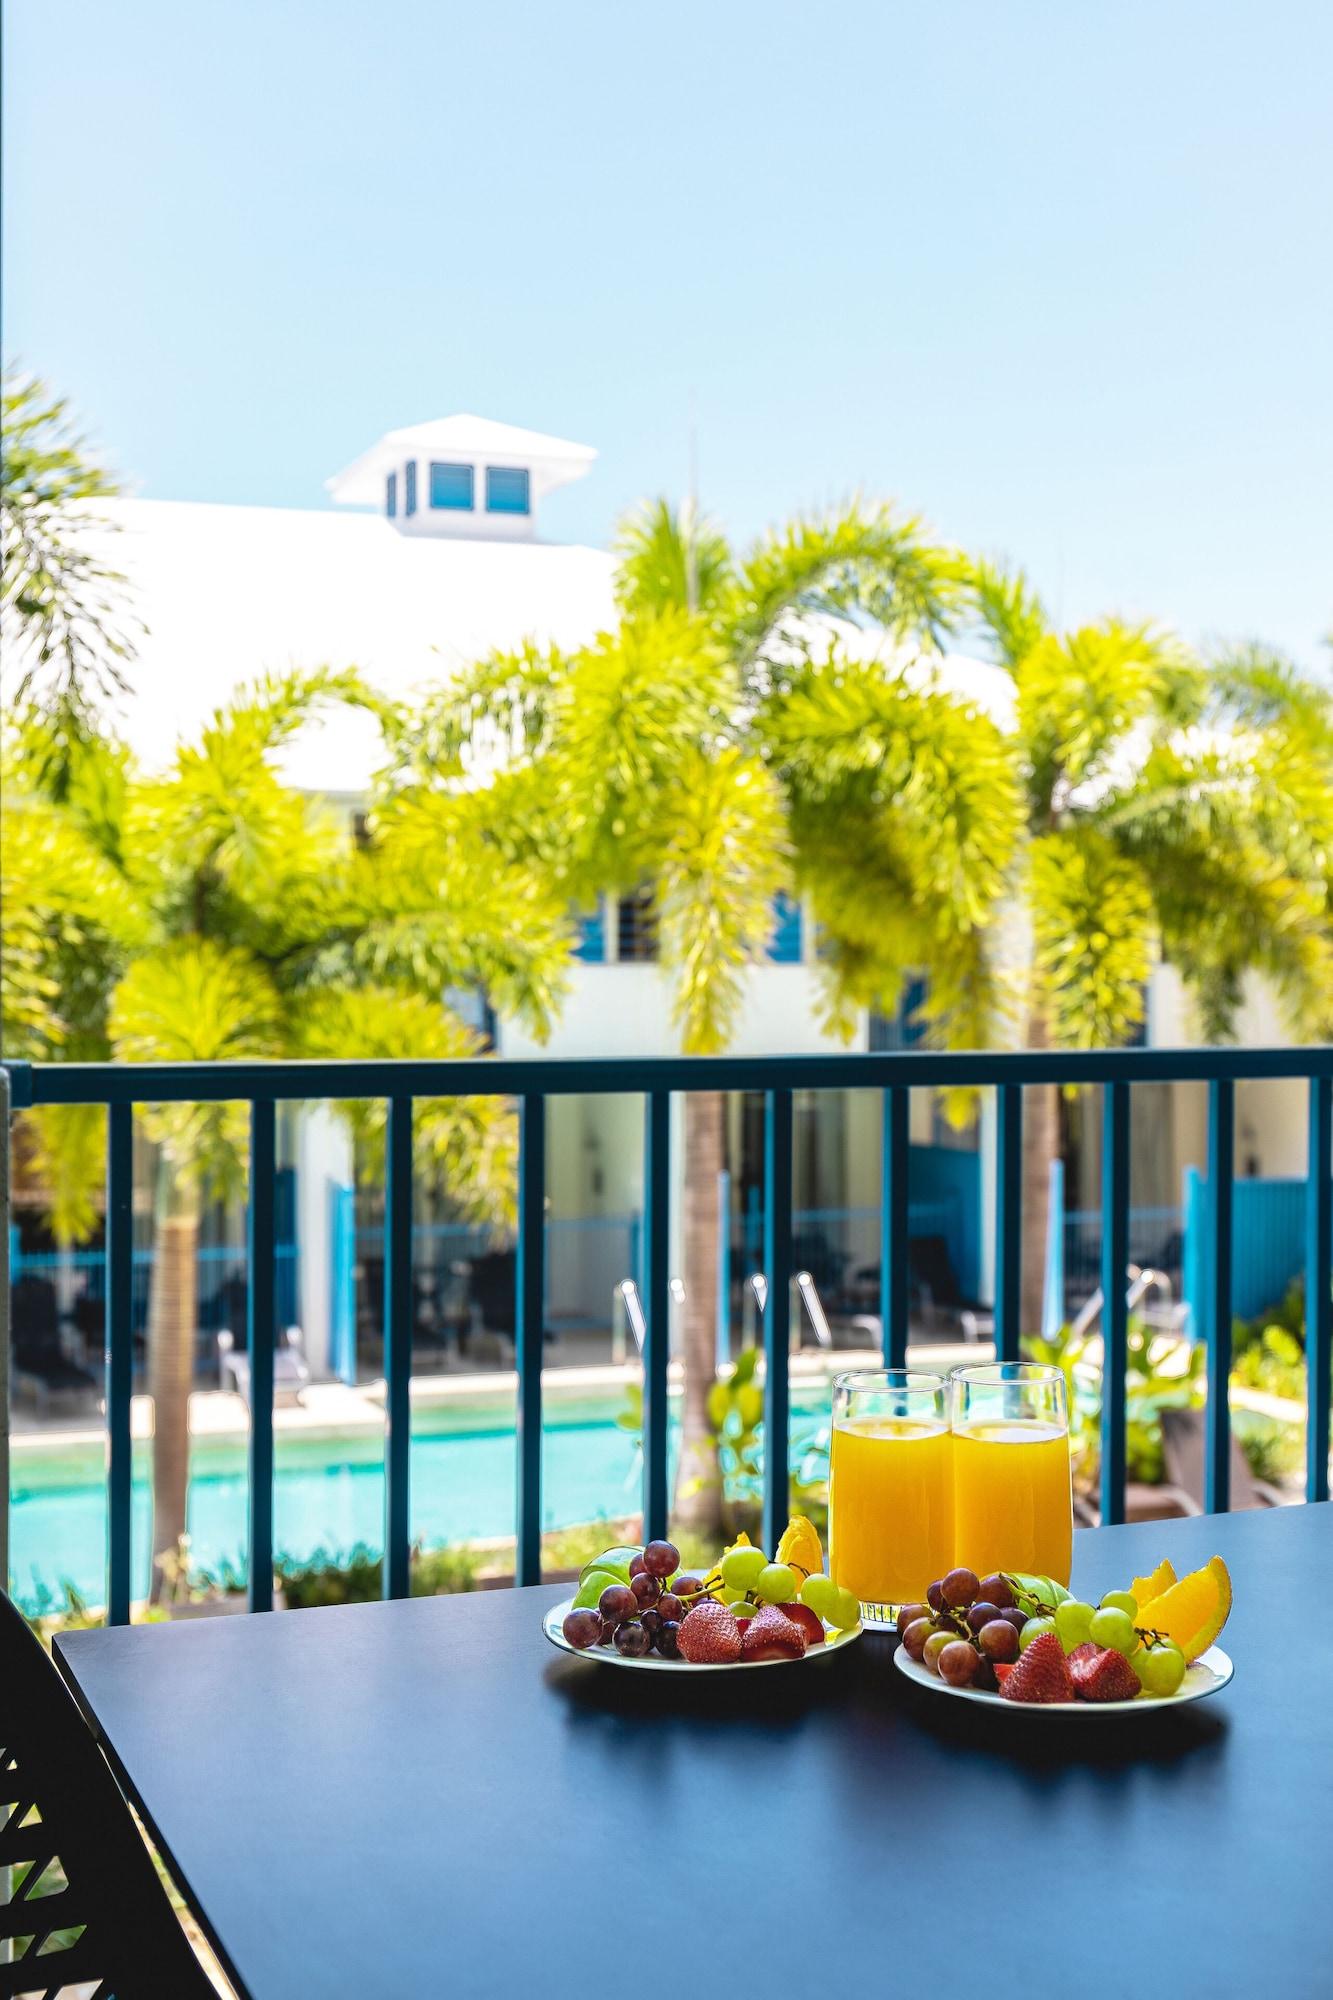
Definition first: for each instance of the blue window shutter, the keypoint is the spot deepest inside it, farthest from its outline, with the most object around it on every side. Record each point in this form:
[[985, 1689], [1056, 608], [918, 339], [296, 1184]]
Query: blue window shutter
[[784, 946], [591, 947], [452, 486], [410, 487], [391, 495], [508, 489]]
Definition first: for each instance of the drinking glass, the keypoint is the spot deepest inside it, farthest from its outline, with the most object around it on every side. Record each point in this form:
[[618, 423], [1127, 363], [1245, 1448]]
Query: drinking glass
[[890, 1487], [1013, 1502]]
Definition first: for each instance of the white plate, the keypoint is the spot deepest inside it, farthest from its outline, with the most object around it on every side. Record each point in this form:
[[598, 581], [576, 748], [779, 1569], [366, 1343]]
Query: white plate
[[1206, 1675], [607, 1656]]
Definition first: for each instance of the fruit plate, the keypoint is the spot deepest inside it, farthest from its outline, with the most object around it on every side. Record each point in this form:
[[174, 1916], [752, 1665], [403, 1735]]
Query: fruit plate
[[1207, 1675], [607, 1656]]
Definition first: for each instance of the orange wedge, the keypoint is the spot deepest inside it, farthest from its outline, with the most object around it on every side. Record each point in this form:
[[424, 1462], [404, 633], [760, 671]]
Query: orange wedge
[[800, 1546], [1193, 1611], [1145, 1588]]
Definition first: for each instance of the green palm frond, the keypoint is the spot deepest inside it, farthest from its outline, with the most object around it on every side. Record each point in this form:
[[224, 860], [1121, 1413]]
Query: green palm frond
[[861, 562], [723, 861], [1011, 613], [1081, 695], [1093, 928], [670, 559]]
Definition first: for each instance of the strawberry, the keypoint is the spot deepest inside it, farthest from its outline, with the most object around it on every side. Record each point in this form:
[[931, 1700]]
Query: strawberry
[[1040, 1674], [1106, 1676], [771, 1635], [1002, 1670], [709, 1636], [804, 1618]]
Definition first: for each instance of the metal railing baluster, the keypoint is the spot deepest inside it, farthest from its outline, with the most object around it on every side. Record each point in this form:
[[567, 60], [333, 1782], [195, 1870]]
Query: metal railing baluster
[[893, 1262], [1115, 1305], [777, 1313], [397, 1581], [1318, 1300], [530, 1312], [1221, 1165], [1008, 1219], [261, 1296], [119, 1359], [657, 1308]]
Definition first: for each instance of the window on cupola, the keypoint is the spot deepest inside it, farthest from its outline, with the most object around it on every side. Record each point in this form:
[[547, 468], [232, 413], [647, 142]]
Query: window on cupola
[[452, 486], [508, 489], [410, 487], [391, 495]]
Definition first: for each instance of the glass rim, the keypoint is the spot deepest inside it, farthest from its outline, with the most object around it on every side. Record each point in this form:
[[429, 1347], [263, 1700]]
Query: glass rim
[[916, 1381], [1005, 1374]]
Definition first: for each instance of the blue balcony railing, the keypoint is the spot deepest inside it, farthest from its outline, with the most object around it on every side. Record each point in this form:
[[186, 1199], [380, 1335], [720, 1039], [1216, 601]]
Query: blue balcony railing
[[531, 1083]]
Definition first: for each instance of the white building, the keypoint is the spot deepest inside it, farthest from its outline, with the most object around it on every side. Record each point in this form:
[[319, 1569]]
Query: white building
[[444, 565]]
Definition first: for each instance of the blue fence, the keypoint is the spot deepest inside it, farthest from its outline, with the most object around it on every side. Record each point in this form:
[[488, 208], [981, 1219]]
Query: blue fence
[[531, 1083]]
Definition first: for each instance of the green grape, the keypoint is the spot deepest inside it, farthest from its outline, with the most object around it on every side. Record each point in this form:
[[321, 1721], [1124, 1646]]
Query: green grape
[[728, 1594], [775, 1583], [741, 1568], [1035, 1628], [1160, 1669], [1073, 1621], [1121, 1600], [820, 1592], [743, 1610], [1114, 1628], [594, 1583], [846, 1610]]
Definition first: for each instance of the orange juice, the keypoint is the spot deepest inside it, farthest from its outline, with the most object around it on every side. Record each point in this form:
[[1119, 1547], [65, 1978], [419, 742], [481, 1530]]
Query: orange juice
[[890, 1507], [1012, 1499]]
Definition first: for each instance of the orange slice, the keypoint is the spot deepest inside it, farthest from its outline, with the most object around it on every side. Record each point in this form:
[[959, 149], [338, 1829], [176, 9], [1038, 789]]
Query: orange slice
[[800, 1546], [1193, 1611], [1145, 1588]]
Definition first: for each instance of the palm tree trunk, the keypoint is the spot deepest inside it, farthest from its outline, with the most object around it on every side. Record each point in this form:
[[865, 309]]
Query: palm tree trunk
[[1041, 1131], [698, 1499], [172, 1318]]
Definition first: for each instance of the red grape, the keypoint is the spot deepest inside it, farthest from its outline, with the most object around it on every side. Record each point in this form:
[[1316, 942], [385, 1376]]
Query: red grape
[[608, 1629], [687, 1586], [646, 1588], [935, 1597], [909, 1613], [632, 1640], [958, 1663], [651, 1620], [582, 1628], [916, 1635], [668, 1639], [670, 1606], [982, 1614], [998, 1640], [661, 1558], [636, 1567], [995, 1589], [619, 1602], [959, 1588], [1018, 1619]]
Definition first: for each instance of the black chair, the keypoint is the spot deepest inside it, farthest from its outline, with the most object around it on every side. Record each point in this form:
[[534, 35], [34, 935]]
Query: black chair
[[86, 1906], [39, 1357]]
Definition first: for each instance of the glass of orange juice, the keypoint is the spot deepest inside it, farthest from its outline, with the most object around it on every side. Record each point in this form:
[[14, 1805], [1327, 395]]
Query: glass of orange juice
[[890, 1487], [1013, 1504]]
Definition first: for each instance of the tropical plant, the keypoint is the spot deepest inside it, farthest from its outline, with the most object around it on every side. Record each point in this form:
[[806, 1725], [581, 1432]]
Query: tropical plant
[[217, 915], [67, 630], [1171, 809], [758, 722]]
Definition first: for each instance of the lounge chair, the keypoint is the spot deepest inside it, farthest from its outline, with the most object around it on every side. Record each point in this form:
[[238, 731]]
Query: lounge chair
[[291, 1370], [40, 1361], [1183, 1456]]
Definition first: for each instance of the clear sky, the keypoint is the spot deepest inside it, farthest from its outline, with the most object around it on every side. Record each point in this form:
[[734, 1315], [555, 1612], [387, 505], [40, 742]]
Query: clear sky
[[1059, 275]]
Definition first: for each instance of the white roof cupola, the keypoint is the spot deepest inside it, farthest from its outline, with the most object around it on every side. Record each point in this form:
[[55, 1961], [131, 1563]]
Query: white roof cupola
[[461, 476]]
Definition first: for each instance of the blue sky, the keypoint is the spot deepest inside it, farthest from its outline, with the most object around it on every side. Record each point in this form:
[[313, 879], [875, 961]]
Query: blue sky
[[1060, 276]]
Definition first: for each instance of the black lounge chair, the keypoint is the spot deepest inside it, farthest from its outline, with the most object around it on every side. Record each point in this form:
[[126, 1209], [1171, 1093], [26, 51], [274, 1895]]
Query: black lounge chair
[[85, 1908], [39, 1358]]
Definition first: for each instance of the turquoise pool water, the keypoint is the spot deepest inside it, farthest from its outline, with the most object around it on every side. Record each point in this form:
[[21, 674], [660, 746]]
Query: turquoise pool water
[[329, 1492]]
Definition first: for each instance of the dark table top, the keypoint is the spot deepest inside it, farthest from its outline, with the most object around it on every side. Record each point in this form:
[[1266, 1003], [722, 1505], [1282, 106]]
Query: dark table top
[[425, 1798]]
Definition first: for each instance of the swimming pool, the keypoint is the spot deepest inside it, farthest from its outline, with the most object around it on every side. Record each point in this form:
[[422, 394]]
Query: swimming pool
[[329, 1490]]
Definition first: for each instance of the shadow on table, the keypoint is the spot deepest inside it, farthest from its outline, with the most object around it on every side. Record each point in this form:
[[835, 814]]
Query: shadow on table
[[1155, 1735], [778, 1699]]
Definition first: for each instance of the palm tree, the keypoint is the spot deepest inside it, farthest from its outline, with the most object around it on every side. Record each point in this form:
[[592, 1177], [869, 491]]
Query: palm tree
[[754, 724], [1170, 809], [237, 919]]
